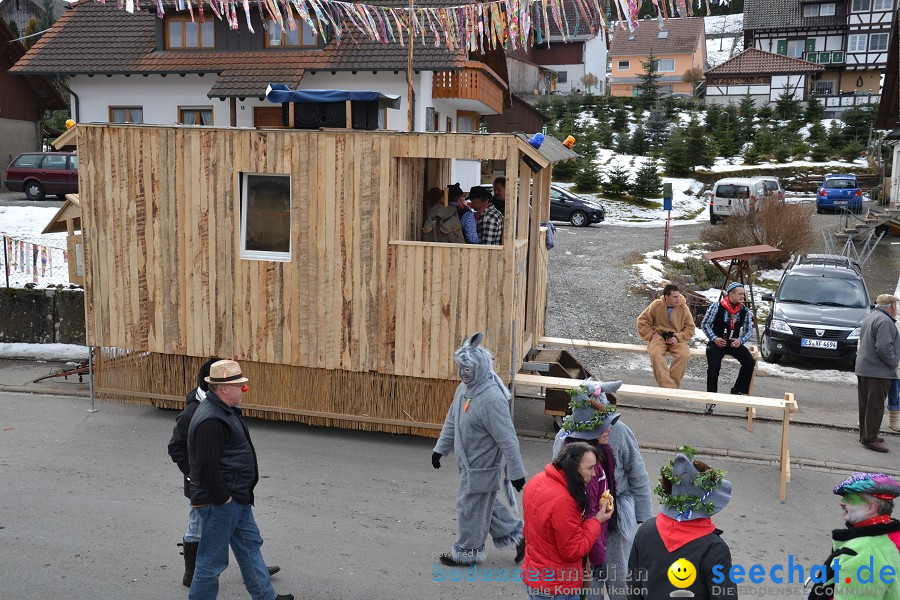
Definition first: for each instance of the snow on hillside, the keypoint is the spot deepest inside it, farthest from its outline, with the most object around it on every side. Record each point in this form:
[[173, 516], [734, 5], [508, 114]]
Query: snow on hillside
[[724, 37], [722, 24]]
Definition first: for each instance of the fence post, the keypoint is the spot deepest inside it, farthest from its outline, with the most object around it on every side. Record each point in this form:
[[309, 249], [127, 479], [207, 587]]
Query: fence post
[[5, 262]]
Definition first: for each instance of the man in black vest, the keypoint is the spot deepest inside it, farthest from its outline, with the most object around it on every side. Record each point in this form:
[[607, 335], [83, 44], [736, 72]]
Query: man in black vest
[[728, 325], [223, 474]]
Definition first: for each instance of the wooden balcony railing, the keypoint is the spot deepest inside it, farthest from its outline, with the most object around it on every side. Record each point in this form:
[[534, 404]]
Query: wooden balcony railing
[[474, 82]]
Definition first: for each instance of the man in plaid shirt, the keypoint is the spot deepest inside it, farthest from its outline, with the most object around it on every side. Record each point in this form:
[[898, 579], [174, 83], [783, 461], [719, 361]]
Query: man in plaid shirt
[[490, 221]]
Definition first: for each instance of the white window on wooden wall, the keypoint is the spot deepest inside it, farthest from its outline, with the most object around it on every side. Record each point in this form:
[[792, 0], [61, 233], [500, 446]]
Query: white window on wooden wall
[[878, 42], [826, 10], [857, 43], [266, 217], [883, 5], [860, 5]]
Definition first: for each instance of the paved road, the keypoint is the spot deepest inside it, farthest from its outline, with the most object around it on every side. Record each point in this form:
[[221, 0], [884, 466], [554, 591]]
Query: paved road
[[92, 506], [8, 198]]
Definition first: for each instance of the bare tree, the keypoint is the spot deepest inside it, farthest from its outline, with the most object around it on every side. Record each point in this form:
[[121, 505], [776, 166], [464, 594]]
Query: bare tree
[[589, 81], [693, 76]]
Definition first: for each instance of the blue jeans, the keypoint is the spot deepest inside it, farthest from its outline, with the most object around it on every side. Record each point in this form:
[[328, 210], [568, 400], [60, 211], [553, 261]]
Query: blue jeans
[[225, 525], [894, 395], [195, 525], [534, 596]]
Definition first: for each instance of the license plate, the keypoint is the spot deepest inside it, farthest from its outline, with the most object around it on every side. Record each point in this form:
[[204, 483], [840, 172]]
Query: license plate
[[838, 203], [825, 344]]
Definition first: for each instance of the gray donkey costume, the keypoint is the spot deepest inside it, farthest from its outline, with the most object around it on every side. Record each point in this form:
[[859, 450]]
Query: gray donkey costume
[[480, 431], [633, 505]]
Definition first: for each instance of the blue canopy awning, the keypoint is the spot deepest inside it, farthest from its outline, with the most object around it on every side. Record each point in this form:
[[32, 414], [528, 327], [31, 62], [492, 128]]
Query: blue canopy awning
[[278, 93]]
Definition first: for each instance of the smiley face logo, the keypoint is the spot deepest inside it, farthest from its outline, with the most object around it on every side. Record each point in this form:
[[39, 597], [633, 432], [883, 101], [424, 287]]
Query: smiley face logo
[[682, 573]]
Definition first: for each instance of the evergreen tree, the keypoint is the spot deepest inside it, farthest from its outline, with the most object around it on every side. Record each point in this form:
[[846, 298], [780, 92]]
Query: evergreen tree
[[787, 107], [857, 123], [713, 116], [852, 150], [649, 82], [747, 112], [730, 140], [617, 182], [623, 145], [47, 16], [15, 29], [751, 155], [619, 119], [781, 151], [817, 133], [765, 142], [765, 114], [814, 112], [701, 152], [604, 132], [799, 150], [677, 154], [657, 128], [588, 178], [639, 144], [836, 135], [647, 182], [820, 152]]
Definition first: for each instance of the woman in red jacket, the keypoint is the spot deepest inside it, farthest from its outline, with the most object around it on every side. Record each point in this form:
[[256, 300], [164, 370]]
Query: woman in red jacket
[[557, 535]]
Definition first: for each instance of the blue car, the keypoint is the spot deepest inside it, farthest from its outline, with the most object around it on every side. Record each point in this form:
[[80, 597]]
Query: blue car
[[839, 191]]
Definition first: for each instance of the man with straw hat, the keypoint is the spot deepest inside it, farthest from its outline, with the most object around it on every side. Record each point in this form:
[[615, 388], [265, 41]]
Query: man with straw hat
[[869, 544], [480, 431], [224, 472], [674, 553]]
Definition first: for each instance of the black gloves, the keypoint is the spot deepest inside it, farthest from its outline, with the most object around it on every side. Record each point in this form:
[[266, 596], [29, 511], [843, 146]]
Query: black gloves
[[518, 484], [436, 460]]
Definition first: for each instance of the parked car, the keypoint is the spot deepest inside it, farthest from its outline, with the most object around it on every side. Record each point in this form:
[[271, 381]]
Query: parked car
[[41, 173], [817, 309], [837, 191], [774, 191], [734, 196], [579, 211]]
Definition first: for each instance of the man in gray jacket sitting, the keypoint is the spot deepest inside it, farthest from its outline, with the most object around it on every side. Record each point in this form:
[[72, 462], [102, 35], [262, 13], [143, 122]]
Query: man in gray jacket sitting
[[877, 356]]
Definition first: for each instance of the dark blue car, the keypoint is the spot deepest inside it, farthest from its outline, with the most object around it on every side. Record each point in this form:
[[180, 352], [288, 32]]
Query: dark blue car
[[839, 191]]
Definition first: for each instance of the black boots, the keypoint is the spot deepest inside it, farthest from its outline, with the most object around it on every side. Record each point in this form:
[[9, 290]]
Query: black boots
[[520, 550], [190, 559]]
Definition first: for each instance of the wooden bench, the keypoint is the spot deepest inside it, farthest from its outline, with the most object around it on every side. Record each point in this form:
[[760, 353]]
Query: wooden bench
[[786, 406]]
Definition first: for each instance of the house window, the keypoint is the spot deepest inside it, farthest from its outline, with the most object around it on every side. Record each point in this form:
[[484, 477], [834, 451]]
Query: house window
[[811, 10], [883, 5], [562, 76], [266, 217], [795, 48], [624, 65], [282, 37], [878, 42], [665, 65], [184, 34], [195, 115], [823, 88], [662, 35], [126, 114], [857, 43], [861, 5], [827, 10]]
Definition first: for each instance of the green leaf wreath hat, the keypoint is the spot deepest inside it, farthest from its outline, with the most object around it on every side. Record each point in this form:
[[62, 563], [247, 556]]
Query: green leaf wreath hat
[[690, 489], [592, 413]]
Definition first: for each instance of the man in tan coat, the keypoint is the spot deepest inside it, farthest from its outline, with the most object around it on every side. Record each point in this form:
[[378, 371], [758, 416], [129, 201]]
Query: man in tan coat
[[667, 326]]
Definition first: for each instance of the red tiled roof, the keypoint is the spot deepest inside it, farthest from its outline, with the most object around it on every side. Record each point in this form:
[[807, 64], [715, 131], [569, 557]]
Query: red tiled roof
[[757, 62], [94, 38], [684, 37]]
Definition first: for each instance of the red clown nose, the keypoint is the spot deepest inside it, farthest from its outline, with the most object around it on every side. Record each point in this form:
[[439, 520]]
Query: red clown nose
[[244, 388]]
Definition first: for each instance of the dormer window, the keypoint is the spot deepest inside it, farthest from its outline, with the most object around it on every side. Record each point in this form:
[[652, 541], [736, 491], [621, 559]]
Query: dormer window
[[662, 34], [184, 34], [301, 37], [631, 37]]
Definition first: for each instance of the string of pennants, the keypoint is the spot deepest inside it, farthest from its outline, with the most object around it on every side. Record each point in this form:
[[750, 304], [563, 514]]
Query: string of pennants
[[30, 259], [476, 26]]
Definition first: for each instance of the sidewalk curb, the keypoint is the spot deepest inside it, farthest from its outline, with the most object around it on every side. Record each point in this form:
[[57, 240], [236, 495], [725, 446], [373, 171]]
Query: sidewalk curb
[[24, 389]]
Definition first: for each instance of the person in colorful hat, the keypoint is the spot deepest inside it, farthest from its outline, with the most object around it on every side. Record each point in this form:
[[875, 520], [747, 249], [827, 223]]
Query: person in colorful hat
[[591, 421], [871, 541], [629, 485], [728, 325], [674, 553], [480, 431]]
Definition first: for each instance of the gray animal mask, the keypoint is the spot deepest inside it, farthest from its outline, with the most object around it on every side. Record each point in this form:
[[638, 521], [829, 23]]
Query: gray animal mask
[[476, 364]]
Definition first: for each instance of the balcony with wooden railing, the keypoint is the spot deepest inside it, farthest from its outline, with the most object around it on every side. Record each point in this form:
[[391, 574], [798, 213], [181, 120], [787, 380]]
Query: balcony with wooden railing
[[475, 83]]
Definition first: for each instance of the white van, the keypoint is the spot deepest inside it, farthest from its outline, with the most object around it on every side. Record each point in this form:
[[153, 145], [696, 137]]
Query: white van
[[735, 196]]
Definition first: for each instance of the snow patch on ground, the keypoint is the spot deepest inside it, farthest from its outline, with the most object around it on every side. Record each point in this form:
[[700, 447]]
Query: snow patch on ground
[[723, 165], [822, 375], [43, 351], [27, 222]]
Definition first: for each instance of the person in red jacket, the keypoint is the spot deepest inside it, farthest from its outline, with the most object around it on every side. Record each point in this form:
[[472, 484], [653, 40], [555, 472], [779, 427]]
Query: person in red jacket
[[557, 536]]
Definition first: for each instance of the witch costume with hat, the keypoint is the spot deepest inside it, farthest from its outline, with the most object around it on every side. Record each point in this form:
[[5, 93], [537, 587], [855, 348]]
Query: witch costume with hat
[[690, 493], [591, 421], [871, 541], [629, 485], [480, 431]]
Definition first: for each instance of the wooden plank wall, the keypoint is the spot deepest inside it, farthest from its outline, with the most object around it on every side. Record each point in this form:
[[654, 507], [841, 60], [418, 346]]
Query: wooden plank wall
[[161, 210]]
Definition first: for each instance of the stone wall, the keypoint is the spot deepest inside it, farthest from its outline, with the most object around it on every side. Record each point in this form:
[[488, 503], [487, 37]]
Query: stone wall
[[40, 316]]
